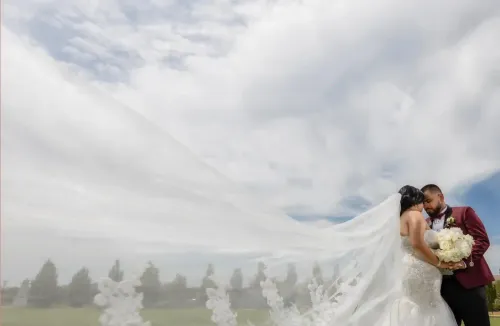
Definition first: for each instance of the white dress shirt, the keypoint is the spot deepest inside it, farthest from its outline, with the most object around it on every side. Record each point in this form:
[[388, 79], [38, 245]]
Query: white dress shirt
[[438, 223]]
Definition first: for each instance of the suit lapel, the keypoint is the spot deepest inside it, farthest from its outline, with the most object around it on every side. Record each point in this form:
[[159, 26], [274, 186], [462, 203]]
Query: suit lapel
[[447, 215]]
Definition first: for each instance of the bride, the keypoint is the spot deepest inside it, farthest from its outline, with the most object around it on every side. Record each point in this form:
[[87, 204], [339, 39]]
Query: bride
[[421, 277]]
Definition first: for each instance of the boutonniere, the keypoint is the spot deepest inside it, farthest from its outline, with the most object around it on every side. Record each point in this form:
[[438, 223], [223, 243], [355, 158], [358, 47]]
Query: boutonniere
[[450, 222]]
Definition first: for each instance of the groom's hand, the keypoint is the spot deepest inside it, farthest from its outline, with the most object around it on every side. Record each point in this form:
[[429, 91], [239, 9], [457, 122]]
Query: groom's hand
[[459, 265]]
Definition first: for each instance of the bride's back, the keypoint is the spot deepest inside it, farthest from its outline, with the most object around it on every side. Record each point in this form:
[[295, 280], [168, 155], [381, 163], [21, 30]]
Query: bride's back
[[404, 222]]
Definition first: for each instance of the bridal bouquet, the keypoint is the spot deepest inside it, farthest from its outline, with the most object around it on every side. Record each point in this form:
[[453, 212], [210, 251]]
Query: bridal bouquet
[[454, 245]]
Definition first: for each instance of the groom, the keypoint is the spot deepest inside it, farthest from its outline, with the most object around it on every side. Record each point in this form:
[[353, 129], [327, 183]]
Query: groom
[[464, 291]]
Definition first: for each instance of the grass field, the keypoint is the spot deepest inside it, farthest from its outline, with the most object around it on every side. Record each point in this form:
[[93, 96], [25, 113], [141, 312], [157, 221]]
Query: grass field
[[88, 317]]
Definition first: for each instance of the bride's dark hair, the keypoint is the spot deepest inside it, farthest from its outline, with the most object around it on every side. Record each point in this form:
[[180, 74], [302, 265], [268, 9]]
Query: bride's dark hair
[[410, 196]]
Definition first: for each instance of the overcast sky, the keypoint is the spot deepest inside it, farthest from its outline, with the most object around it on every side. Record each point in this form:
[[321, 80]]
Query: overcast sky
[[321, 107]]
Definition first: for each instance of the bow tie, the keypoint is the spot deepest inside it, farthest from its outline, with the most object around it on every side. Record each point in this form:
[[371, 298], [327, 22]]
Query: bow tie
[[438, 216]]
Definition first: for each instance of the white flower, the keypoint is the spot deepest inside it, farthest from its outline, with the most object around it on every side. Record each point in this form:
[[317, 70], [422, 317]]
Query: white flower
[[453, 245], [106, 286], [100, 300], [218, 301], [120, 303]]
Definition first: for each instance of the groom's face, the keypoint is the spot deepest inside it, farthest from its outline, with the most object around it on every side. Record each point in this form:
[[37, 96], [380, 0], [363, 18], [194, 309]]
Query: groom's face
[[434, 202]]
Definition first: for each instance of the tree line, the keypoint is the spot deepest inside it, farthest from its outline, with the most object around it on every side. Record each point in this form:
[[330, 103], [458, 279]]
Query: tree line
[[44, 291], [493, 296]]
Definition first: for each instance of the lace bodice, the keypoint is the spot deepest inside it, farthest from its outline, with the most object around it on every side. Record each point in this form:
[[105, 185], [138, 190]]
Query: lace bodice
[[422, 281]]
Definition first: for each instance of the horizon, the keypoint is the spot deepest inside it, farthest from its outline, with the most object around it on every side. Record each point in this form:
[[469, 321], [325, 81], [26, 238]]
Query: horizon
[[475, 194]]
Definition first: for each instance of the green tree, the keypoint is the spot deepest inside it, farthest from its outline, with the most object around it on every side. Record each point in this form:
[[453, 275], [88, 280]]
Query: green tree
[[207, 282], [291, 275], [287, 287], [116, 273], [44, 290], [260, 276], [9, 294], [236, 281], [176, 292], [150, 285], [496, 285], [236, 291], [318, 273], [21, 299], [179, 283], [80, 289], [491, 296]]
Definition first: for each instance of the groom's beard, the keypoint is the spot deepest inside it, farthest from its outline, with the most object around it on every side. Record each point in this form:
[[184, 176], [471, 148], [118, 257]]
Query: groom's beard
[[435, 212]]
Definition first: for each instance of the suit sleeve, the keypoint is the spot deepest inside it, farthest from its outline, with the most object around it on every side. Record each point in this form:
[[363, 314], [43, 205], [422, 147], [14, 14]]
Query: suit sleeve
[[476, 229]]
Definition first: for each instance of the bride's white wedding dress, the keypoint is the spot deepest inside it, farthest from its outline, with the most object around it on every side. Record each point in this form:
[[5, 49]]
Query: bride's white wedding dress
[[421, 302]]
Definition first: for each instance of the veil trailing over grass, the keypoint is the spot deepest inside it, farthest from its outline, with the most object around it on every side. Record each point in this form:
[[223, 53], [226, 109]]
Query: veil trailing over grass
[[80, 165]]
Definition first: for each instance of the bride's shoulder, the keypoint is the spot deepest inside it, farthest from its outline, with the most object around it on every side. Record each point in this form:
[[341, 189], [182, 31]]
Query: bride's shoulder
[[413, 215]]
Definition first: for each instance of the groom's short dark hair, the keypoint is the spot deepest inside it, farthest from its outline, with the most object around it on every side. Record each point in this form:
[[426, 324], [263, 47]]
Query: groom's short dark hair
[[432, 188]]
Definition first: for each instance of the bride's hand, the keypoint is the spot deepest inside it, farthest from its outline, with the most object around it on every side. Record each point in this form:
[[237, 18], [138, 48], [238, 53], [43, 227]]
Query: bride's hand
[[459, 265], [450, 266]]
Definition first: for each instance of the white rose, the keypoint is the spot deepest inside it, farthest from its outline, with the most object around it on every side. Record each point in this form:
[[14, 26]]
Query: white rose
[[445, 245]]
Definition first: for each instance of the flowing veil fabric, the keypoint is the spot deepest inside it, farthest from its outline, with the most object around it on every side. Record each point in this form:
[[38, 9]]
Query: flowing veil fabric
[[100, 170]]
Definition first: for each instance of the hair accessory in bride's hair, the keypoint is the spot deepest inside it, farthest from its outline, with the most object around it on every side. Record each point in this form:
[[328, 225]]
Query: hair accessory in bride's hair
[[410, 196]]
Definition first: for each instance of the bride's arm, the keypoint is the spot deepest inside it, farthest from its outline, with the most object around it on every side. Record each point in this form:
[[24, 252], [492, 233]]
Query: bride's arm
[[416, 228]]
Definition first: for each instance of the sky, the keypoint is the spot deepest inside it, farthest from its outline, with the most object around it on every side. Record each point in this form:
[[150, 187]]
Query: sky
[[319, 108]]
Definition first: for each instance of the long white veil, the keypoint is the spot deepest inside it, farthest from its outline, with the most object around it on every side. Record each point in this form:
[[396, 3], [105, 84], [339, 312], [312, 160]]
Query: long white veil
[[62, 174]]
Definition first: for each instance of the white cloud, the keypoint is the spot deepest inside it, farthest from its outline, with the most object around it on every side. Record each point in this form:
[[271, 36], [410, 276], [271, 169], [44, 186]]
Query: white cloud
[[310, 105], [313, 103]]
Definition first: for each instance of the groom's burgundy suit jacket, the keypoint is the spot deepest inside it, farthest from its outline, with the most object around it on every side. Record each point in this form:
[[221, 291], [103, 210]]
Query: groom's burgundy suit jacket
[[477, 272]]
